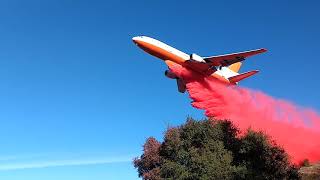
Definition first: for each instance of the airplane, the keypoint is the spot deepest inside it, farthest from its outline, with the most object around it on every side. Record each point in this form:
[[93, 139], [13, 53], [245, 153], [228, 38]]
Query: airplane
[[222, 67]]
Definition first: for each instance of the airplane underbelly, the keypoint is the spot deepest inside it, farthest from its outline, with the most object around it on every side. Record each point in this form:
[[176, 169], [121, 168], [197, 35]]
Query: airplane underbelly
[[162, 53]]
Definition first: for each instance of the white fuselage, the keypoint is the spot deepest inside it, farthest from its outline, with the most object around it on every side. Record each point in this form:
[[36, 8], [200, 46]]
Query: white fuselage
[[166, 52]]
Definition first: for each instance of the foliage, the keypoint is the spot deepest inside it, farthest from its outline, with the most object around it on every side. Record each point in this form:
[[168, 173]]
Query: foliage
[[149, 163], [305, 163], [213, 149]]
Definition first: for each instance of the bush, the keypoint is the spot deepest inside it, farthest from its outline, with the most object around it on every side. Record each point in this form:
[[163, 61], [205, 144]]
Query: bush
[[213, 149]]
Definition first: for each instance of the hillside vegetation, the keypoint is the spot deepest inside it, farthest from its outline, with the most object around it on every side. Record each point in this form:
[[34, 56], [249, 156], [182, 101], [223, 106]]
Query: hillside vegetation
[[310, 171], [213, 149]]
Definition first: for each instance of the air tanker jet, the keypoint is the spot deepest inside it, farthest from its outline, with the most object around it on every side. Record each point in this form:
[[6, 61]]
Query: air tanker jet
[[222, 67]]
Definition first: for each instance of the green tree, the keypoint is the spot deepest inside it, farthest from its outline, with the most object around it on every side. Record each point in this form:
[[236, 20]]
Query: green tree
[[263, 158], [213, 149]]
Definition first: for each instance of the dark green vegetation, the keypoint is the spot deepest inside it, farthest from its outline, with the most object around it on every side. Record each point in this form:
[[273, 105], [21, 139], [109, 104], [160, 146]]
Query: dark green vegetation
[[212, 149]]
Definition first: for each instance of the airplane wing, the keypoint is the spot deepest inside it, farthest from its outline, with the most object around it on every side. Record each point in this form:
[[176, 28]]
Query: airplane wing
[[201, 67], [228, 59]]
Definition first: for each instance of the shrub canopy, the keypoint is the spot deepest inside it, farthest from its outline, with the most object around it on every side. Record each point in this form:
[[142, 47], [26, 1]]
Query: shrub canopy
[[213, 149]]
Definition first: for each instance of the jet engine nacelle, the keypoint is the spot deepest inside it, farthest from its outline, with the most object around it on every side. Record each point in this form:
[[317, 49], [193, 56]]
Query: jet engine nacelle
[[196, 57], [180, 83], [170, 74]]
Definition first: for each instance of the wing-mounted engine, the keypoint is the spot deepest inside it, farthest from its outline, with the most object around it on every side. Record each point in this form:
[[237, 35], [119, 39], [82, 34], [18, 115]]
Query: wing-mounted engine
[[170, 74], [196, 57], [180, 83]]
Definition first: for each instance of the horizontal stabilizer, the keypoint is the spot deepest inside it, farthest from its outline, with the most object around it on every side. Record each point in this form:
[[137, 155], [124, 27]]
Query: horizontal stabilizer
[[237, 78]]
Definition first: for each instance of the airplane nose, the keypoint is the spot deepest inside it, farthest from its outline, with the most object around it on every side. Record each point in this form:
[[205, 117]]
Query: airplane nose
[[135, 40]]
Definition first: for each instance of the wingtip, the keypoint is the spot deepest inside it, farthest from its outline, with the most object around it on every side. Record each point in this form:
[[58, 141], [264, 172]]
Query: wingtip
[[264, 50]]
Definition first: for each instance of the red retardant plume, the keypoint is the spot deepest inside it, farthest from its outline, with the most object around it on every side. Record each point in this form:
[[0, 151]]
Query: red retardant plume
[[296, 129]]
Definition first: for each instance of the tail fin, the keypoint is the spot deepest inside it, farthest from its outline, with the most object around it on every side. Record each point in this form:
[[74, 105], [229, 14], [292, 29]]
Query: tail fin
[[235, 67], [237, 78]]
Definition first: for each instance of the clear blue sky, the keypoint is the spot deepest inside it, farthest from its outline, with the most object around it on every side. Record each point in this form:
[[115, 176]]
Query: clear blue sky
[[78, 98]]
